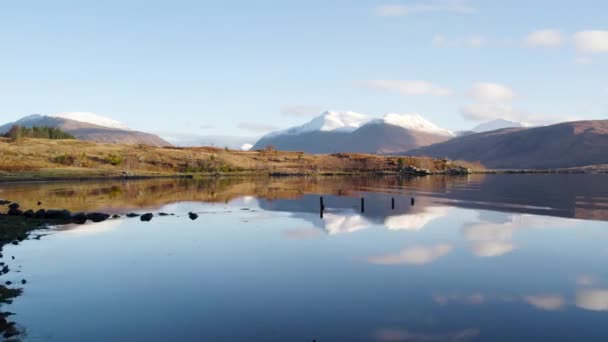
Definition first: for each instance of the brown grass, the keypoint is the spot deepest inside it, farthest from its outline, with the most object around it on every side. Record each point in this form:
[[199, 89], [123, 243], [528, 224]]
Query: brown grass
[[53, 157]]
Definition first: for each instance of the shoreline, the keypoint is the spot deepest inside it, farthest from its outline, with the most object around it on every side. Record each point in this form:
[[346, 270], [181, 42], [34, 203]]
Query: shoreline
[[33, 177]]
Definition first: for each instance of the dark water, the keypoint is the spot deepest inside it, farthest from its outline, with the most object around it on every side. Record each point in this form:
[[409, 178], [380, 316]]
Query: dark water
[[480, 258]]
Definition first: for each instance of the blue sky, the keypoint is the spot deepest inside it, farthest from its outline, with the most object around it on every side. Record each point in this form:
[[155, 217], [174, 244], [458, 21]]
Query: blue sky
[[245, 67]]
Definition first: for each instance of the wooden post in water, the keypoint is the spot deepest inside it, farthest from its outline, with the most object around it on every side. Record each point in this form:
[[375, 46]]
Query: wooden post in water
[[413, 201], [362, 204], [321, 207], [393, 203]]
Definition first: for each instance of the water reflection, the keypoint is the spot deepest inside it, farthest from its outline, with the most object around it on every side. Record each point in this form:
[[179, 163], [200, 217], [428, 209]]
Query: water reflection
[[578, 196], [472, 260]]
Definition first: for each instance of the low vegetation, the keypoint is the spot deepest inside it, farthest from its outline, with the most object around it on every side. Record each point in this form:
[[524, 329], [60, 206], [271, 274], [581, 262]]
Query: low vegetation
[[41, 158], [19, 132]]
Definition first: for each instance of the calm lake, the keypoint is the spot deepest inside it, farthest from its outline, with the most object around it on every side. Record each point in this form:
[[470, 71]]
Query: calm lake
[[475, 258]]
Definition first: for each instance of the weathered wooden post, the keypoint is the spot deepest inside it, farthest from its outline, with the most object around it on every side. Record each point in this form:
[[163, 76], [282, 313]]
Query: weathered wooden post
[[321, 203], [393, 203], [362, 204], [413, 201]]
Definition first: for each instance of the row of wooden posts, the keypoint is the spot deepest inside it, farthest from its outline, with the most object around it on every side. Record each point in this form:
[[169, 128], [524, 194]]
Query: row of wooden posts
[[322, 204]]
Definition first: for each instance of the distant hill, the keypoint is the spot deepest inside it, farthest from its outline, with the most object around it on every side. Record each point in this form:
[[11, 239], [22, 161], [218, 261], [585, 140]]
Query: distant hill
[[333, 132], [564, 145], [498, 124], [91, 130]]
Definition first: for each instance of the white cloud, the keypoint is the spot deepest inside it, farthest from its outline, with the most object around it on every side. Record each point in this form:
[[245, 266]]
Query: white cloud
[[472, 41], [548, 38], [246, 147], [548, 302], [591, 41], [594, 300], [495, 101], [398, 10], [405, 87], [416, 255], [475, 41], [491, 92]]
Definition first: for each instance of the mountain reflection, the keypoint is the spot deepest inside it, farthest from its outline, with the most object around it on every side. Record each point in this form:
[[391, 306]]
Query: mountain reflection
[[579, 196]]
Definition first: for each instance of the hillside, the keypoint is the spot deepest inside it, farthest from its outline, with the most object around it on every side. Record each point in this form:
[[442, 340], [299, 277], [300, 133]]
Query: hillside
[[39, 158], [114, 133], [564, 145]]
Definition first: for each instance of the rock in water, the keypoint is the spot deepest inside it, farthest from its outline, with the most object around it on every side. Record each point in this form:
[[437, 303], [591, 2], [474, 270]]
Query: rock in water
[[79, 218], [97, 217], [14, 206], [146, 217], [58, 214], [15, 212], [192, 216], [132, 215], [29, 213], [40, 213]]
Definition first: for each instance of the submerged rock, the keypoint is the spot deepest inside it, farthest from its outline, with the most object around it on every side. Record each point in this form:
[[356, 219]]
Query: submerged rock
[[97, 217], [192, 216], [115, 216], [58, 214], [79, 218], [146, 217], [29, 213], [14, 206], [163, 214], [133, 215]]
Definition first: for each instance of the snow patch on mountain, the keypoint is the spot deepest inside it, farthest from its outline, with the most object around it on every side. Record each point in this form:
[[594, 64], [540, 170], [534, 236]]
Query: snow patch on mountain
[[348, 121], [91, 118], [329, 121], [413, 121]]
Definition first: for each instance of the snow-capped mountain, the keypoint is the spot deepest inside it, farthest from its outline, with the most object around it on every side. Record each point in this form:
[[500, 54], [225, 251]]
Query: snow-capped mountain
[[92, 118], [329, 121], [335, 131], [89, 126], [413, 121]]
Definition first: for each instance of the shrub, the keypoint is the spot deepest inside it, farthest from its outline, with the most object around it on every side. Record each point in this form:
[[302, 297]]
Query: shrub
[[65, 159], [114, 159]]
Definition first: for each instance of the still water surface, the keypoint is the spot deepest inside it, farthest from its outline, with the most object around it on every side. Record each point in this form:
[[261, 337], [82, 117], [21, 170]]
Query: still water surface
[[480, 258]]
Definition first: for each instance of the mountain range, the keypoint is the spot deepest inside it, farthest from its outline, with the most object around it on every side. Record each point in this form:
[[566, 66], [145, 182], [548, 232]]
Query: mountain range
[[334, 131], [498, 144], [89, 126]]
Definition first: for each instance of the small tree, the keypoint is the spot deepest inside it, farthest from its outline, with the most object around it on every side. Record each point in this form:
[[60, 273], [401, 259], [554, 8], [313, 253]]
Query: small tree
[[400, 163], [15, 133]]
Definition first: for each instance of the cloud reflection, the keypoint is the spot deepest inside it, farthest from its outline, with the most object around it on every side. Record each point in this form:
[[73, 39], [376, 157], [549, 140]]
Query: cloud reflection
[[593, 299], [416, 255], [547, 302]]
